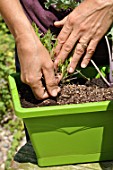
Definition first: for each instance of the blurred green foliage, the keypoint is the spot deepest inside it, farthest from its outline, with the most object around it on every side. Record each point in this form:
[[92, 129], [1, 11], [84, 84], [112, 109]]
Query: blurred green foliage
[[16, 127], [7, 67], [62, 4]]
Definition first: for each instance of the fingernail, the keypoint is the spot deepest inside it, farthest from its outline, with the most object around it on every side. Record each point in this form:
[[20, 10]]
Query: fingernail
[[54, 93], [83, 65], [71, 70], [46, 95], [55, 22], [56, 62], [59, 89]]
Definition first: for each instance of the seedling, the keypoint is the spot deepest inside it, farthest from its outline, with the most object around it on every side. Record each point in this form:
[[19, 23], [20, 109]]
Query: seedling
[[70, 5], [49, 41]]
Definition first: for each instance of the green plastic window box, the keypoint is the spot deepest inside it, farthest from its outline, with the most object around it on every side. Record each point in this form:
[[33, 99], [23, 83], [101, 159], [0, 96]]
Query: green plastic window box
[[67, 134]]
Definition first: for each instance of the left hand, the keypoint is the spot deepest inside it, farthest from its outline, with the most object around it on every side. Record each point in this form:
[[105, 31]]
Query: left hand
[[83, 27]]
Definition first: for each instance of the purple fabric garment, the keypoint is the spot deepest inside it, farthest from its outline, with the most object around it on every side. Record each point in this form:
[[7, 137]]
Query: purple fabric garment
[[36, 11], [44, 19]]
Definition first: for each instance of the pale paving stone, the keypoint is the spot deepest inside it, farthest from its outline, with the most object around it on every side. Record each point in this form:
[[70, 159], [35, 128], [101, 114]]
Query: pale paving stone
[[92, 166]]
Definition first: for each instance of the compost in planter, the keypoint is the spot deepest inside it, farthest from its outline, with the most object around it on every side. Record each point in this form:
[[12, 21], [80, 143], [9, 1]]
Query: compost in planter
[[79, 92]]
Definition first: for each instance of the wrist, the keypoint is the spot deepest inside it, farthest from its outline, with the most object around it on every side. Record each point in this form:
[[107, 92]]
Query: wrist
[[27, 40], [105, 2], [21, 27]]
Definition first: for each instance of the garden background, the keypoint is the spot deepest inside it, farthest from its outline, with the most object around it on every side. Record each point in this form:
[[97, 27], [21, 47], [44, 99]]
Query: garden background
[[12, 135], [11, 127]]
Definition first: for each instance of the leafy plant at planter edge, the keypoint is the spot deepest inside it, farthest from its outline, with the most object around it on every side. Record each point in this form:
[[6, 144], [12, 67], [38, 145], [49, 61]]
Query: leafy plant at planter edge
[[49, 41], [70, 5]]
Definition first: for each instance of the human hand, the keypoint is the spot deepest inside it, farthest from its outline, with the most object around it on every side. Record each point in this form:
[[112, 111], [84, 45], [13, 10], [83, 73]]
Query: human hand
[[35, 62], [83, 27]]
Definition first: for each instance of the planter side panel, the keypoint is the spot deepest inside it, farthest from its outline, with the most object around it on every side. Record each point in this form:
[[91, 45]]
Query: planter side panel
[[76, 138]]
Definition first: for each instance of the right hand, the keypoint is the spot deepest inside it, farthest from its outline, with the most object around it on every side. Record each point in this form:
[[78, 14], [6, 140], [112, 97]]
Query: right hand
[[82, 30], [35, 62]]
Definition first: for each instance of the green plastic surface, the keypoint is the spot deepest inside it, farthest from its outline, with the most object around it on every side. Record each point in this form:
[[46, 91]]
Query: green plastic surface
[[67, 134]]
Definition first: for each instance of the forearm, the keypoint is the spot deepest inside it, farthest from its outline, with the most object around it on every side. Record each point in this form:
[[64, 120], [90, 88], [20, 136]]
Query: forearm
[[15, 18]]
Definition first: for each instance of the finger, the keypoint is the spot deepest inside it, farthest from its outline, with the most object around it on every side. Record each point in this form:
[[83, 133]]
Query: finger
[[51, 81], [62, 37], [36, 85], [60, 23], [89, 53], [39, 91], [79, 51], [66, 48]]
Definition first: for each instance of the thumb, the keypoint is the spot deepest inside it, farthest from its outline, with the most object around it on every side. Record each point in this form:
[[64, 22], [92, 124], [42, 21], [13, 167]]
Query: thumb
[[60, 23]]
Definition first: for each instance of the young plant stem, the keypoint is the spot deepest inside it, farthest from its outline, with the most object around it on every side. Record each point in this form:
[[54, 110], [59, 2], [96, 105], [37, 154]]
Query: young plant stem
[[70, 75], [79, 72]]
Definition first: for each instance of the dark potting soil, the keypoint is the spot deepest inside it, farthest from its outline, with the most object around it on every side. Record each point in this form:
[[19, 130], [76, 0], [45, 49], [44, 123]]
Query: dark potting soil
[[81, 92]]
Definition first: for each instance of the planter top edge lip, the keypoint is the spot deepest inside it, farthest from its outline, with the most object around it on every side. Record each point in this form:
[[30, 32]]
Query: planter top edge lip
[[54, 110], [62, 109]]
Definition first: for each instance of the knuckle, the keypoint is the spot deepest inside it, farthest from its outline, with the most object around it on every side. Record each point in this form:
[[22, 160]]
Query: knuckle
[[92, 33], [49, 66], [98, 26], [90, 50], [28, 79], [51, 84], [84, 39], [87, 58], [79, 51], [67, 47], [61, 39], [99, 32], [82, 27], [71, 20]]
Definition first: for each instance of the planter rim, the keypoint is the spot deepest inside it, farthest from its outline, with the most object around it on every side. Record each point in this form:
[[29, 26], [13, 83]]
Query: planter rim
[[54, 110]]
